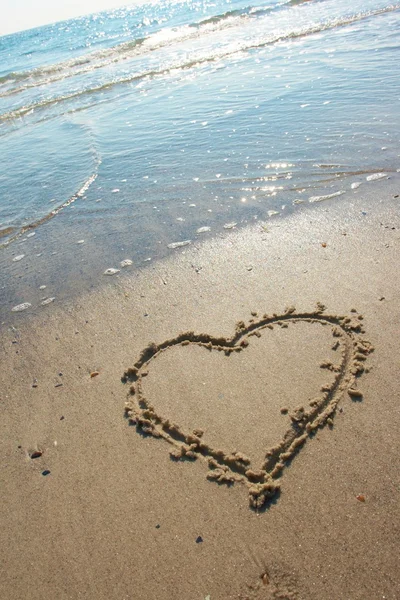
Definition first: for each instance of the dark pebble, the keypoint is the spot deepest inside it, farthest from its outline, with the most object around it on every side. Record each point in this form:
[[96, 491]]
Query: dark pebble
[[36, 454], [45, 473], [58, 385], [199, 539], [60, 374], [62, 418], [158, 526]]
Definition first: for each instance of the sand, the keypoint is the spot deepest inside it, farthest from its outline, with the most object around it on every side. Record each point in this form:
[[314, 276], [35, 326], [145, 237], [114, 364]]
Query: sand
[[94, 505]]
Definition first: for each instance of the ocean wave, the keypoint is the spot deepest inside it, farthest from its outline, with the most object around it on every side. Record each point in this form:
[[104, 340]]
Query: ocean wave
[[25, 80], [159, 41]]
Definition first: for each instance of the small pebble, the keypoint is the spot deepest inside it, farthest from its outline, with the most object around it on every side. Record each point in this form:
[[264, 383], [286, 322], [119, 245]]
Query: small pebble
[[94, 373], [18, 258], [36, 454], [158, 526], [360, 498], [45, 473], [42, 287], [199, 539], [80, 242]]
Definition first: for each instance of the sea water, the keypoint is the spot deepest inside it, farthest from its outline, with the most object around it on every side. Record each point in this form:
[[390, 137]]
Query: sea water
[[129, 134]]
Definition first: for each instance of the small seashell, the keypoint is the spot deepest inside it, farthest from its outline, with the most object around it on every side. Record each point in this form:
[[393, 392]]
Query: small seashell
[[354, 393], [265, 578]]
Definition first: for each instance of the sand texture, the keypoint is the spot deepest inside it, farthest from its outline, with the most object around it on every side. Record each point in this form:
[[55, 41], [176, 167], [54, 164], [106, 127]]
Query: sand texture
[[222, 425]]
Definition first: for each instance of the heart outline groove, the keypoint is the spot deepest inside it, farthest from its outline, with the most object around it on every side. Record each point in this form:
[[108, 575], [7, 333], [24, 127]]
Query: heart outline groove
[[262, 483]]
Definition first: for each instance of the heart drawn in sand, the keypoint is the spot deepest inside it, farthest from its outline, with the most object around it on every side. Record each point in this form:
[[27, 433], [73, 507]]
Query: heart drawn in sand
[[262, 482]]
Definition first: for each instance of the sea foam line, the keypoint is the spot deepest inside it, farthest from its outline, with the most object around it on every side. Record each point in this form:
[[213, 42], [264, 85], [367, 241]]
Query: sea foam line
[[53, 213]]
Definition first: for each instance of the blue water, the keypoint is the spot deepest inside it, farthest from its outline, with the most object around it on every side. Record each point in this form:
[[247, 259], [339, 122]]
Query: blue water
[[134, 128]]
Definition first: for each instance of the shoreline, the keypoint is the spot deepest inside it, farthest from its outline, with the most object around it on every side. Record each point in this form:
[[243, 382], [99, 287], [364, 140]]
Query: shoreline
[[115, 517], [83, 262]]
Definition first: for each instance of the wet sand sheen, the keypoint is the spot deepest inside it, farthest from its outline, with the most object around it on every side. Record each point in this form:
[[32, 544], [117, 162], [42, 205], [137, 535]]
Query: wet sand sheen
[[92, 508]]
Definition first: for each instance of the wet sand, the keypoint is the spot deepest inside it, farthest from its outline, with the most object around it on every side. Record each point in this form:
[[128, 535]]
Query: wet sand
[[93, 503]]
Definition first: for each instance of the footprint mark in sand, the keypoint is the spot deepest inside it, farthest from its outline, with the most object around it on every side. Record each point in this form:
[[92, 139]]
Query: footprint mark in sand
[[263, 483]]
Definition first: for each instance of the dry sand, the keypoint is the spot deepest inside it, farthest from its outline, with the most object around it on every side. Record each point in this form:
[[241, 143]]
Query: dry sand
[[116, 517]]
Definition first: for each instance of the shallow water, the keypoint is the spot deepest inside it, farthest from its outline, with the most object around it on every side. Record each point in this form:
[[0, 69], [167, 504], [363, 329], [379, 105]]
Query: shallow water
[[125, 133]]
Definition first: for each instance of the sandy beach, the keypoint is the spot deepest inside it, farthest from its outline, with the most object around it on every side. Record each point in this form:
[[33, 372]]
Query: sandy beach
[[281, 484]]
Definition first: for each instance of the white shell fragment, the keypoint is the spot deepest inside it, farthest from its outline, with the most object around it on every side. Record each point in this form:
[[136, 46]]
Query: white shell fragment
[[327, 197], [230, 225], [21, 307], [47, 301], [203, 229], [376, 176], [126, 263], [111, 271], [179, 244], [18, 258]]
